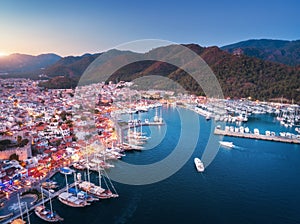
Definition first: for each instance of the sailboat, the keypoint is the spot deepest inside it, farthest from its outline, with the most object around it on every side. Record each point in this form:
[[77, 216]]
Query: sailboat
[[108, 193], [71, 200], [45, 214], [133, 141], [97, 191], [81, 194]]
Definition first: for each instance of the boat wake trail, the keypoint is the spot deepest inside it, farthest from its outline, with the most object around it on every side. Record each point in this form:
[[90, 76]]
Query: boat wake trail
[[238, 148], [129, 210]]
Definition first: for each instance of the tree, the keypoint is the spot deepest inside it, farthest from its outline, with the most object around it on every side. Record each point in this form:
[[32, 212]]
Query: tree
[[24, 142], [63, 115], [14, 157], [19, 140]]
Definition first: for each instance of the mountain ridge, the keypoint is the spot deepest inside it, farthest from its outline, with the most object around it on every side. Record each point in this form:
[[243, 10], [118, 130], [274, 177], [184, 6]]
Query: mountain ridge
[[18, 63], [281, 51], [239, 75]]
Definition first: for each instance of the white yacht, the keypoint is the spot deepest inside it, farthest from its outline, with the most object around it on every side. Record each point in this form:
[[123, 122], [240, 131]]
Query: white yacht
[[226, 144], [199, 165]]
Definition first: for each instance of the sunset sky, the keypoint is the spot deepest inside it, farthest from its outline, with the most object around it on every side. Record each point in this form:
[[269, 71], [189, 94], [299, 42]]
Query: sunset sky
[[73, 28]]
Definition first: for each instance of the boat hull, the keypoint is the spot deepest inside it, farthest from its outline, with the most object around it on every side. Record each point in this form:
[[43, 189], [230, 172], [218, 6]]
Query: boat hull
[[71, 204], [56, 218], [226, 144]]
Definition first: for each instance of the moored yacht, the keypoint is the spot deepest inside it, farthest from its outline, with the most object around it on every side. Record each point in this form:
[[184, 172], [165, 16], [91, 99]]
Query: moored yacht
[[96, 191], [71, 200], [46, 214]]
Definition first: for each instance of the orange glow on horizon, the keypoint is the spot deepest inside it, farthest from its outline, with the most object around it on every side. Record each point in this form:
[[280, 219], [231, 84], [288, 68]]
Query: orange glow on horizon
[[2, 54]]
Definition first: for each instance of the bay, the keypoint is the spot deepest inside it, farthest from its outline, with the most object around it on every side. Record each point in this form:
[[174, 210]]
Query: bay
[[255, 182]]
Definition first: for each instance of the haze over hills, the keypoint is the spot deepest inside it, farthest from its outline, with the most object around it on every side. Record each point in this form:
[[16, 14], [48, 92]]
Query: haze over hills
[[18, 63], [282, 51], [239, 75]]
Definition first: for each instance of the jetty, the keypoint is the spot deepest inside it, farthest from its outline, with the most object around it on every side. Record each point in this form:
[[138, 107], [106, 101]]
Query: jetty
[[219, 131], [126, 125]]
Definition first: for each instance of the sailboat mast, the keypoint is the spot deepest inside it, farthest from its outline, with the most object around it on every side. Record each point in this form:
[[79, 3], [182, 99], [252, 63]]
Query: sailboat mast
[[75, 182], [161, 114], [128, 133], [28, 218], [67, 185], [134, 129], [141, 124], [99, 174], [111, 184], [42, 196], [84, 176], [88, 168], [20, 207], [51, 209]]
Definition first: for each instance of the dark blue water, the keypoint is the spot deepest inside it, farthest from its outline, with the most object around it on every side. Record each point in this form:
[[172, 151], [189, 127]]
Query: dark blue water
[[256, 182]]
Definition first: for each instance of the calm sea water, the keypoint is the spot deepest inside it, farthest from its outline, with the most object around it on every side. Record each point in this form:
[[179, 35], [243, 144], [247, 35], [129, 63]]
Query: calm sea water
[[256, 182]]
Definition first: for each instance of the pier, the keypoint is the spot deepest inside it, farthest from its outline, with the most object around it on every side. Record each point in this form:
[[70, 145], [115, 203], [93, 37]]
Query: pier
[[126, 125], [45, 192], [256, 136]]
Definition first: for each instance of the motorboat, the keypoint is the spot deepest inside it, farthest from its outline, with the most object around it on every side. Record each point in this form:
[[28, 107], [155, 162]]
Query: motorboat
[[226, 144], [199, 165]]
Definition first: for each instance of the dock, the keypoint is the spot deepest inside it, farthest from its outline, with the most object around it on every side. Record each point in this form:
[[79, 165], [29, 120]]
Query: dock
[[126, 125], [47, 193], [256, 136]]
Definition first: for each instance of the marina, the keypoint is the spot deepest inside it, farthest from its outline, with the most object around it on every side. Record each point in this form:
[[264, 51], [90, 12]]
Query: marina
[[151, 128], [144, 193]]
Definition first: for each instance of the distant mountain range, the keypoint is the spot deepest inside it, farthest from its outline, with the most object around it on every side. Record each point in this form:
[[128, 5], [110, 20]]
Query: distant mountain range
[[66, 72], [239, 74], [19, 63], [282, 51], [70, 66]]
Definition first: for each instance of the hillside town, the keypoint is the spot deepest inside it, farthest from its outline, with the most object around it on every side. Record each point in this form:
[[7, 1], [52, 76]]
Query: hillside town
[[40, 132]]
